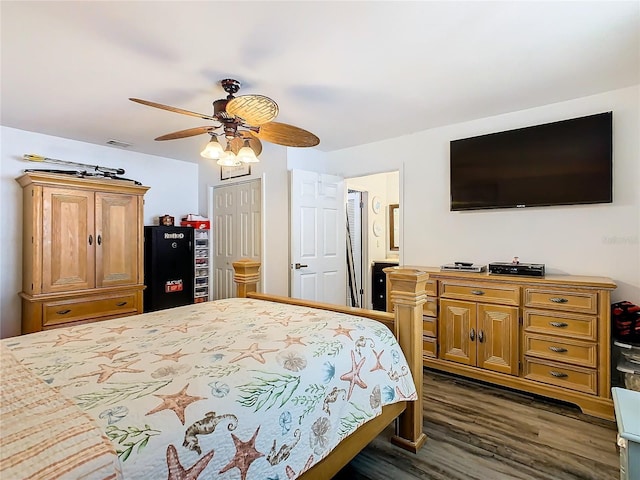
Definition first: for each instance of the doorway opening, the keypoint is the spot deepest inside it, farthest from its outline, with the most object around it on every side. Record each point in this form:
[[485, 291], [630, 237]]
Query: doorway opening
[[370, 224], [356, 200]]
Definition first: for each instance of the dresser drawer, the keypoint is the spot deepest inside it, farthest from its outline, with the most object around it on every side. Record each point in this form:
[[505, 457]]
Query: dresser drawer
[[575, 352], [486, 293], [583, 327], [430, 307], [66, 311], [574, 378], [429, 326], [429, 347], [431, 287], [570, 301]]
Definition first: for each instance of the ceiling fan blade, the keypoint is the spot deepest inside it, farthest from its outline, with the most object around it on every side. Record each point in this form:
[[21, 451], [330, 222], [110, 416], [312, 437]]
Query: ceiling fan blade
[[238, 142], [253, 109], [173, 109], [287, 135], [189, 132]]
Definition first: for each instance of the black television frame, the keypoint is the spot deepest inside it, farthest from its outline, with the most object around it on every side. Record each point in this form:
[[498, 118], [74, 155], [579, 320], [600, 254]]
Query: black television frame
[[568, 162]]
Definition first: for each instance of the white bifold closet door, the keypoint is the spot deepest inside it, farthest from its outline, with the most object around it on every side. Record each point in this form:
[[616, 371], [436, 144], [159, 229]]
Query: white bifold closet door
[[237, 231]]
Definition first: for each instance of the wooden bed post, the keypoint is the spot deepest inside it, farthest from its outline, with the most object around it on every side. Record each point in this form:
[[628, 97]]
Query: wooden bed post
[[246, 275], [407, 296]]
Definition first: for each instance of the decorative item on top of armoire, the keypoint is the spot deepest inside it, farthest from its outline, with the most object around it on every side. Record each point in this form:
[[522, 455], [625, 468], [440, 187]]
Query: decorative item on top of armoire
[[88, 170], [82, 249]]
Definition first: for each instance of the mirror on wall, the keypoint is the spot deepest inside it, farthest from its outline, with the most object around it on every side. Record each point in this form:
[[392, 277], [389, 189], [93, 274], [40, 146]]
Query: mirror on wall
[[394, 227]]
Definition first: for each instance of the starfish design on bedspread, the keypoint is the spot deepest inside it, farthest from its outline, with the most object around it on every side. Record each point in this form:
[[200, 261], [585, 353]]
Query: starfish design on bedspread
[[293, 340], [353, 376], [343, 331], [254, 351], [183, 328], [175, 356], [109, 353], [177, 471], [282, 321], [107, 371], [378, 365], [402, 396], [63, 339], [246, 453], [177, 402], [118, 330]]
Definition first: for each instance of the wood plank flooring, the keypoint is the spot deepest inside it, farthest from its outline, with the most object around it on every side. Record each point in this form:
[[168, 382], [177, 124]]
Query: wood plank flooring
[[480, 432]]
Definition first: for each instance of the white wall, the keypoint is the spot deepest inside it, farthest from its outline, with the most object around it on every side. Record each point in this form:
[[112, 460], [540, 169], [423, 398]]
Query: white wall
[[172, 192], [601, 240]]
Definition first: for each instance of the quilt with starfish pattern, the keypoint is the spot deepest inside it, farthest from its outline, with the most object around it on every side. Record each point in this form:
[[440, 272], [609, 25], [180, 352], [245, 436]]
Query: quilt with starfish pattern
[[230, 389]]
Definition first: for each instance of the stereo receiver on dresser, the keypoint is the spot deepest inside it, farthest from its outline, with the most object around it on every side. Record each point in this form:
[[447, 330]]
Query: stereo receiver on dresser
[[510, 268]]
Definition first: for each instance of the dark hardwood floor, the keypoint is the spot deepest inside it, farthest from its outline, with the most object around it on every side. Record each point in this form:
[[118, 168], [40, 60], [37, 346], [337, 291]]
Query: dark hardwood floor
[[479, 432]]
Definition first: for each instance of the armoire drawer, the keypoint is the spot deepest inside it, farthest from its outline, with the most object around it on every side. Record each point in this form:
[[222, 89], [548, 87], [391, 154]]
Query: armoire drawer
[[74, 310], [570, 301], [574, 378], [560, 349], [583, 327], [483, 292]]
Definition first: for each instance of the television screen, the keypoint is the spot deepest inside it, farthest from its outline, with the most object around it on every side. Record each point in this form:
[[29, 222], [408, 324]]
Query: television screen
[[561, 163]]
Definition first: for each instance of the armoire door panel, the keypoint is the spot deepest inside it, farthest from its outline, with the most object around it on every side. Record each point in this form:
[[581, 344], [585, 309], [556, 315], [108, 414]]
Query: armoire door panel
[[68, 243], [116, 239]]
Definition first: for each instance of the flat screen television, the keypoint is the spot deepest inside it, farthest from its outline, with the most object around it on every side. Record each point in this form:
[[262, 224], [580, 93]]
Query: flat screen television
[[561, 163]]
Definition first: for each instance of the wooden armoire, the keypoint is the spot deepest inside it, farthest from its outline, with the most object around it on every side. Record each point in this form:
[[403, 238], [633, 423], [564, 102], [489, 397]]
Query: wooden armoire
[[82, 249]]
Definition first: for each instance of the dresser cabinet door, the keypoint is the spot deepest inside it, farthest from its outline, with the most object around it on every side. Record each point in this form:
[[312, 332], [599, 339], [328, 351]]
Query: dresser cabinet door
[[116, 239], [497, 338], [457, 331], [68, 253]]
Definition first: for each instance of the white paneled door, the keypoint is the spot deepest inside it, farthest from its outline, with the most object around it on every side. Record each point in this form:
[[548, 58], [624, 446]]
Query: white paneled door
[[236, 231], [318, 237]]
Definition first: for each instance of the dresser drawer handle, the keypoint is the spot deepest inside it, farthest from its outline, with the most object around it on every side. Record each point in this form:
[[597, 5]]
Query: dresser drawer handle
[[121, 304], [553, 373], [559, 324], [558, 300], [477, 292], [63, 312], [558, 349]]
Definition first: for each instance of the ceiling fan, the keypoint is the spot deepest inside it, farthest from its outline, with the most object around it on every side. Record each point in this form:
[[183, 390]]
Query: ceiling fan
[[243, 121]]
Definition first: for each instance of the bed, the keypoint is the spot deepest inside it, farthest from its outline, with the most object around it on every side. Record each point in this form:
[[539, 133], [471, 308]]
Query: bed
[[252, 387]]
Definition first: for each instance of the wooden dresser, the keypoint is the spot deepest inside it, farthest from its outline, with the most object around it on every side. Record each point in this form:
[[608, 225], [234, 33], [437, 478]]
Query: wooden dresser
[[545, 335], [82, 250]]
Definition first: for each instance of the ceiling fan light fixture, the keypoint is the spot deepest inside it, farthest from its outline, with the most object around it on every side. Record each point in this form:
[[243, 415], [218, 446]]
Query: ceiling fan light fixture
[[246, 153], [228, 158], [213, 149]]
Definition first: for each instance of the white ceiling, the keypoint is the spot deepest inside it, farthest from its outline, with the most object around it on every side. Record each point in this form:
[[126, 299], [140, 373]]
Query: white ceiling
[[350, 72]]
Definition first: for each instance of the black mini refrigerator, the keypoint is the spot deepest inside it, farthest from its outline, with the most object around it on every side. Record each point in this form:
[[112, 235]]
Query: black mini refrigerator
[[168, 267]]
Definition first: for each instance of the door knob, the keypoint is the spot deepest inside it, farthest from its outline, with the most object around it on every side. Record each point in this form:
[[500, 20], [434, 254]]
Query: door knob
[[298, 266]]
